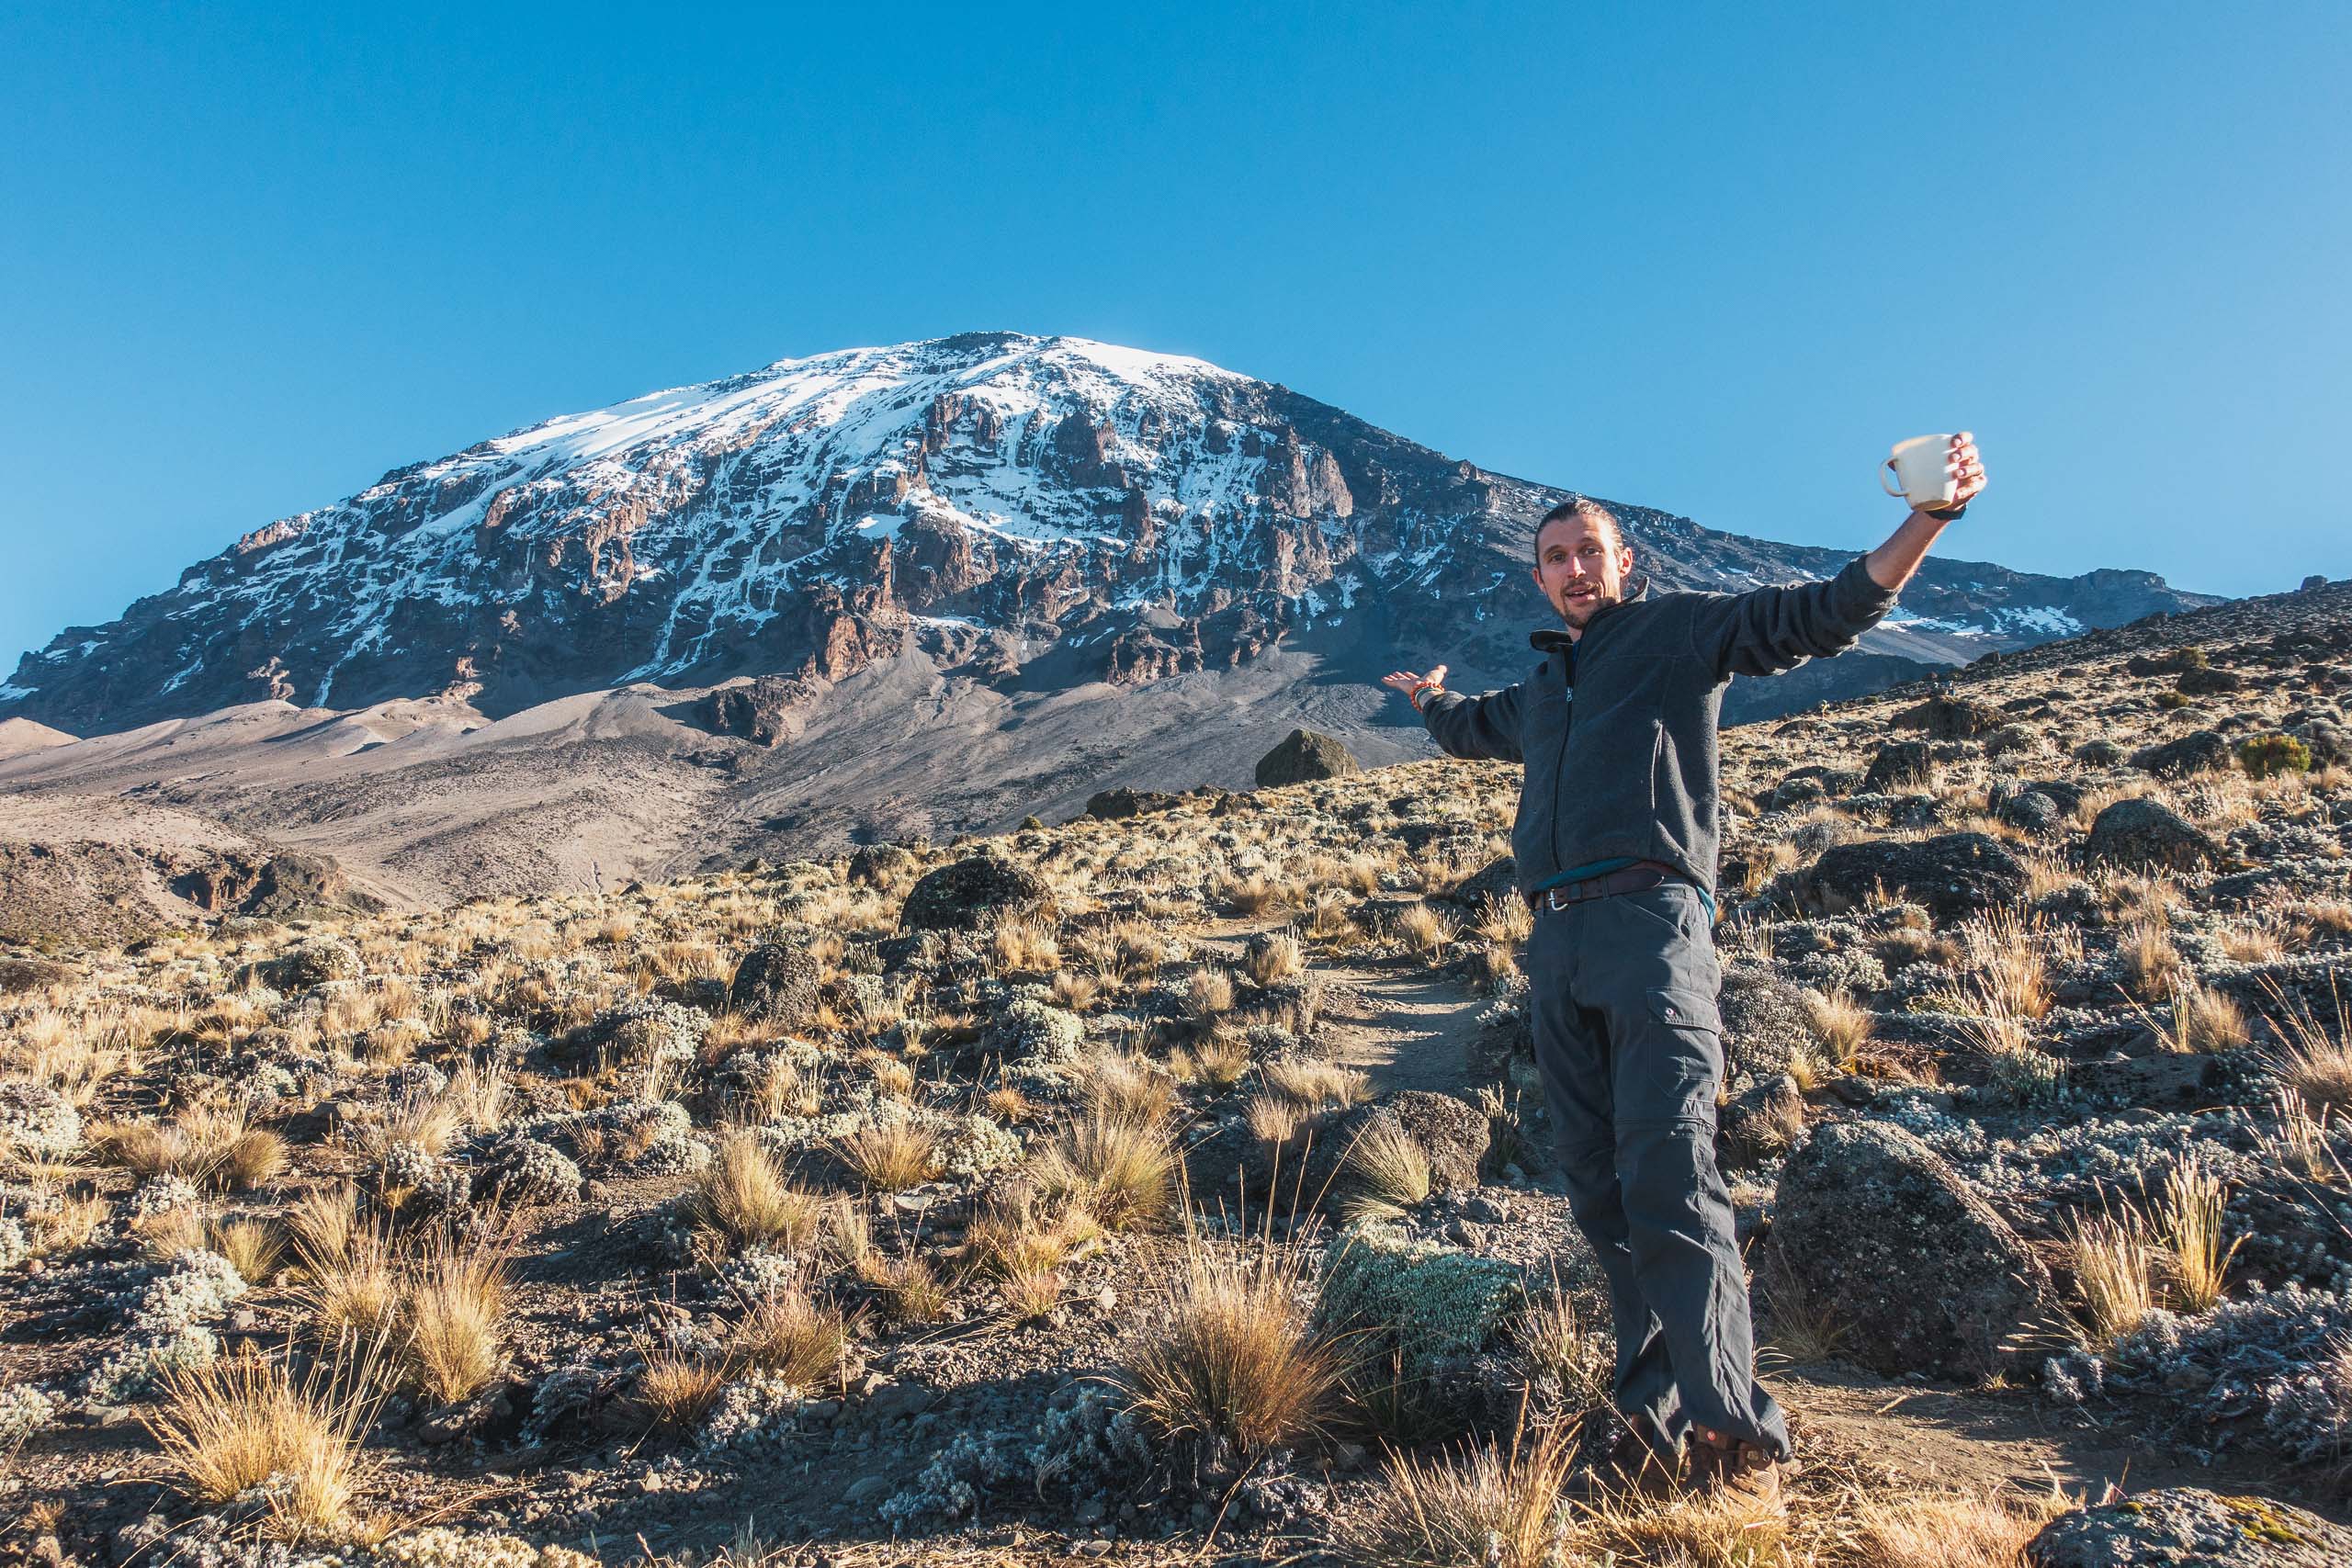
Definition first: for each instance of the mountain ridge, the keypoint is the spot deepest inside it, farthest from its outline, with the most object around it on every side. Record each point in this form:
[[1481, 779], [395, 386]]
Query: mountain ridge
[[989, 500]]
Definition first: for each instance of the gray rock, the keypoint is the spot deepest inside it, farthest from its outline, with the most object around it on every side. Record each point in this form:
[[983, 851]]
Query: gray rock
[[1305, 756], [2197, 751], [874, 865], [2099, 753], [1954, 874], [970, 894], [303, 968], [778, 981], [1765, 1022], [2033, 811], [1889, 1243], [1898, 765], [1452, 1134], [1114, 805], [1951, 718], [2187, 1527], [2139, 833], [2208, 682]]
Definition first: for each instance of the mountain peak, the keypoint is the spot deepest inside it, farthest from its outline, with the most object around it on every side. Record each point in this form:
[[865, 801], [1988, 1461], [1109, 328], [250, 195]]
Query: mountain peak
[[997, 501]]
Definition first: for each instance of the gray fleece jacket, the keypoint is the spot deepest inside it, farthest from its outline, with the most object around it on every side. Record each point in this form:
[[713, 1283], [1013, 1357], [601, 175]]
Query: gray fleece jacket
[[1628, 767]]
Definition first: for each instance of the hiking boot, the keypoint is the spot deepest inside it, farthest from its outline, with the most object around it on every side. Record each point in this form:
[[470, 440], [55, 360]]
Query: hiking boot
[[1720, 1462], [1635, 1466]]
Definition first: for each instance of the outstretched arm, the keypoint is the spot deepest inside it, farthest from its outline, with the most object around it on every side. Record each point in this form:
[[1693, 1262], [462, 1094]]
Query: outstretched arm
[[1768, 630], [1463, 726]]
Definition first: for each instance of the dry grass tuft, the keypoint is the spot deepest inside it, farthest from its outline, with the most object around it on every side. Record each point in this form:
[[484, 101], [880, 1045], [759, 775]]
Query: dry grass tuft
[[1318, 1084], [1842, 1025], [1209, 993], [1230, 1362], [794, 1337], [1492, 1507], [1278, 957], [2314, 1060], [1424, 931], [1126, 1087], [1390, 1169], [890, 1156], [235, 1424], [744, 1195], [2192, 1218], [677, 1388], [2115, 1262], [252, 1246], [1953, 1530], [1121, 1172], [1218, 1060], [456, 1308]]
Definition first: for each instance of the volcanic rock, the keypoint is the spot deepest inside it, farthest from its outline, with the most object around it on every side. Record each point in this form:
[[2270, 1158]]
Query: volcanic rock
[[1888, 1241], [1304, 757]]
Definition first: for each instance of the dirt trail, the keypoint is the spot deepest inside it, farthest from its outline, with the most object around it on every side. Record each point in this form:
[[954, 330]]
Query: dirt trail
[[1408, 1030]]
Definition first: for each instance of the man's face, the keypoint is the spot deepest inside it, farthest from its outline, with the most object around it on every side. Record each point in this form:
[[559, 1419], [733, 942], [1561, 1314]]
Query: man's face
[[1579, 570]]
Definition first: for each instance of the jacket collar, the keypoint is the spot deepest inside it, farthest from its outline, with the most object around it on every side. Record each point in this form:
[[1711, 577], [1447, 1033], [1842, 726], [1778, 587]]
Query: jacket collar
[[1555, 640]]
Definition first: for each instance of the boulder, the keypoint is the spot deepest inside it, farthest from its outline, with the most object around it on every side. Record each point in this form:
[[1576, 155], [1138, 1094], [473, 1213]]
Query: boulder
[[1885, 1239], [303, 968], [2035, 812], [2099, 754], [1452, 1134], [20, 974], [1945, 717], [1955, 875], [1765, 1023], [2187, 1527], [1111, 805], [768, 711], [1898, 765], [2143, 833], [1304, 757], [970, 894], [2208, 682], [2195, 753], [878, 865], [777, 981]]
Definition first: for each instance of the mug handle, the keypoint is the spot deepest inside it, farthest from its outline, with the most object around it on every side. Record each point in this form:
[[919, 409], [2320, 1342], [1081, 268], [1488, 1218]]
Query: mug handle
[[1884, 468]]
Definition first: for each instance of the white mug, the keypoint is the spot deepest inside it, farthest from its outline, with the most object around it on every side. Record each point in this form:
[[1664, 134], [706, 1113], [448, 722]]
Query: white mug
[[1918, 465]]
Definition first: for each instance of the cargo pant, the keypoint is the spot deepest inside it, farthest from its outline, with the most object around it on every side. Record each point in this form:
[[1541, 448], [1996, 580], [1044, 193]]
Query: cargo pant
[[1630, 1048]]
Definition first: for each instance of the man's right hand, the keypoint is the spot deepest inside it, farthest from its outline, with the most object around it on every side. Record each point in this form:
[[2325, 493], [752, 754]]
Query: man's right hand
[[1407, 682]]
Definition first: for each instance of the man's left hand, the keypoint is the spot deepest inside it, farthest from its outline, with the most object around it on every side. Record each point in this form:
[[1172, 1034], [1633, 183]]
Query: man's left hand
[[1966, 466]]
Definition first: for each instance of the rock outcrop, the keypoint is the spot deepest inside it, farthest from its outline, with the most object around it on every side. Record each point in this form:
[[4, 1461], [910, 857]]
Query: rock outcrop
[[1919, 1273]]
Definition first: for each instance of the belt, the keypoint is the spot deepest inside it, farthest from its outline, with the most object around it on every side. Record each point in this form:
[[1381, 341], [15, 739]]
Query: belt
[[1635, 878]]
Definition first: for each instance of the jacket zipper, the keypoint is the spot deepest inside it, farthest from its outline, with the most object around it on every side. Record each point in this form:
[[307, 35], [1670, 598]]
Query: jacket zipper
[[1560, 764]]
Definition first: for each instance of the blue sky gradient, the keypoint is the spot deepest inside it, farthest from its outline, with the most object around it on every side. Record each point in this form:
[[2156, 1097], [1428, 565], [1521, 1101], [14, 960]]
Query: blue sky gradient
[[1713, 259]]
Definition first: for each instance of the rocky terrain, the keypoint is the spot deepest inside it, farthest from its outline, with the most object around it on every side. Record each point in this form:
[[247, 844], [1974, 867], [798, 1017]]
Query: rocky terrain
[[1169, 1183], [925, 589]]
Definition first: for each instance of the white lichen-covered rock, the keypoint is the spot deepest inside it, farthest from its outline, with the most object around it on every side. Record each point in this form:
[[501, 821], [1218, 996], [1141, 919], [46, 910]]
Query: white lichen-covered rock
[[168, 1326], [1038, 1041], [1414, 1300], [749, 1413], [16, 1244], [976, 1146], [37, 1121], [441, 1547], [25, 1409]]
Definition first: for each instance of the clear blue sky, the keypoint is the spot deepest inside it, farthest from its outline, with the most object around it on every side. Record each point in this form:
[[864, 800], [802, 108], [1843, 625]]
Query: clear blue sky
[[1707, 258]]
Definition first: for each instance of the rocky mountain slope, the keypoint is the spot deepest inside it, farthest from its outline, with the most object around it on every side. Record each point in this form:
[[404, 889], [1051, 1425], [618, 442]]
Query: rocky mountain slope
[[1003, 505], [829, 1211]]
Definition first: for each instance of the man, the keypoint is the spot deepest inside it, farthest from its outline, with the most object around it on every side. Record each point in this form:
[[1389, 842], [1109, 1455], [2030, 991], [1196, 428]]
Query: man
[[1615, 848]]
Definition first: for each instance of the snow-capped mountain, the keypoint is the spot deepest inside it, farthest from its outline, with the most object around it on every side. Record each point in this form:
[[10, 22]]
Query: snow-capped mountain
[[1066, 511]]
